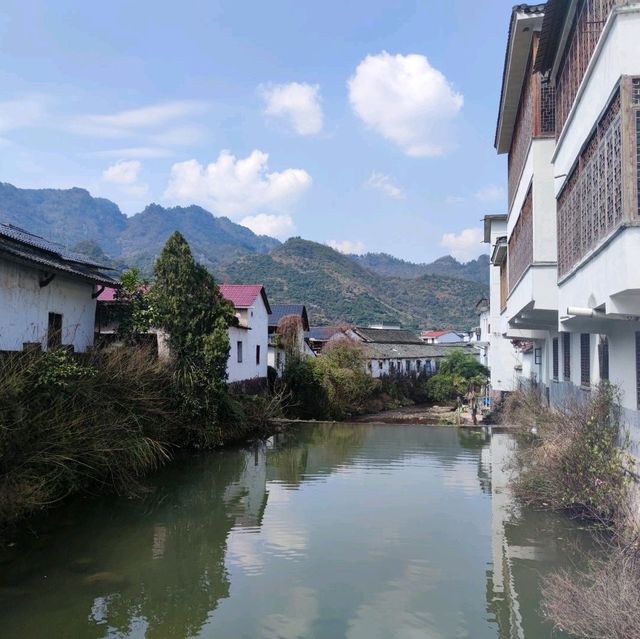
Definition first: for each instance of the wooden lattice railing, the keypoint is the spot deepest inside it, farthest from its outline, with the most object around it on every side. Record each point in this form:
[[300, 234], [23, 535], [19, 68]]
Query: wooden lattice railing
[[536, 117], [587, 27], [520, 249]]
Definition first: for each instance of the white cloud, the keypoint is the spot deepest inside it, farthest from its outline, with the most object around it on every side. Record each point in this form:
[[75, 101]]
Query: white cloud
[[465, 246], [18, 114], [126, 123], [299, 103], [280, 226], [139, 152], [407, 101], [491, 193], [123, 172], [386, 184], [348, 247], [234, 186]]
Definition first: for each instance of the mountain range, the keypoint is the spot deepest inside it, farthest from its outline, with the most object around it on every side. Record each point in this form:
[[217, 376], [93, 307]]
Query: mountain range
[[356, 289]]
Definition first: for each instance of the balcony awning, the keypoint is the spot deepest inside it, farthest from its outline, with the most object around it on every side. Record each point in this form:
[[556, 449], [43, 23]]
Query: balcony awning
[[499, 254]]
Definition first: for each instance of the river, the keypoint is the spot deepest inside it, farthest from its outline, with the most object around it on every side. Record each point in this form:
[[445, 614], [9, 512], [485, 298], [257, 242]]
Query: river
[[358, 531]]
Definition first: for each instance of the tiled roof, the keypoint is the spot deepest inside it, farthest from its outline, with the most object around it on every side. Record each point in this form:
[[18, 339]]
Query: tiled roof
[[435, 333], [23, 247], [387, 335], [244, 295], [278, 311], [401, 351], [552, 24], [323, 333], [29, 239]]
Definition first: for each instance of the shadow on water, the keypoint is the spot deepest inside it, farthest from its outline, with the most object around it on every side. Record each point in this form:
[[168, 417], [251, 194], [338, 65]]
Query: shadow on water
[[357, 531]]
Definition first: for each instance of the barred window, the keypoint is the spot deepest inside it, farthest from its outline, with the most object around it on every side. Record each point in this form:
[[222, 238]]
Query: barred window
[[638, 368], [585, 359], [556, 358], [566, 355], [603, 357]]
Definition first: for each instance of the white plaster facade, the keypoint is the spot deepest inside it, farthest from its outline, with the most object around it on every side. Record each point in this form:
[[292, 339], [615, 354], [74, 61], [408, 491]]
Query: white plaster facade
[[25, 308], [248, 356]]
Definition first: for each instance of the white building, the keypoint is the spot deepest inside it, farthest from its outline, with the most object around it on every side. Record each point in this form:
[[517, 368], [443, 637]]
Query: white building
[[249, 340], [442, 337], [47, 294], [570, 122], [397, 351]]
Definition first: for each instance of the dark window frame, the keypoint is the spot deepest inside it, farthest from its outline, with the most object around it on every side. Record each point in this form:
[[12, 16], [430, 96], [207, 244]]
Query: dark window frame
[[566, 356], [257, 354], [239, 350], [603, 358], [585, 359], [555, 351], [54, 330]]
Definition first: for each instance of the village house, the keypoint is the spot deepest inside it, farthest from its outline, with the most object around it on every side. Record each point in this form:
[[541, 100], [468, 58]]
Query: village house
[[298, 313], [47, 294], [318, 336], [249, 340], [396, 351], [569, 121], [441, 337]]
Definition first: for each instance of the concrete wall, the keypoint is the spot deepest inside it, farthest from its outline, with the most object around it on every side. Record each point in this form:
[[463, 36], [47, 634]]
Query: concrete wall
[[256, 320], [25, 308]]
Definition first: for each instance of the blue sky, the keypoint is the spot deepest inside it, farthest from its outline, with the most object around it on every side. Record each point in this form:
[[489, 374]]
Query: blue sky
[[368, 125]]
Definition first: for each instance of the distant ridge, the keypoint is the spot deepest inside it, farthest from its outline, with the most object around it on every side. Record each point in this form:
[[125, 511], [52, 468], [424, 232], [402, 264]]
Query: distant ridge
[[335, 287]]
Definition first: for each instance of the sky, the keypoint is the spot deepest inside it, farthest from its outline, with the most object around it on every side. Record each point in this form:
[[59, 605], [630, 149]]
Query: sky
[[366, 125]]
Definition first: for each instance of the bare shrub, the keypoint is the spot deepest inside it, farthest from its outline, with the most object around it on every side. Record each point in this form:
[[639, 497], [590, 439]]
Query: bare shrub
[[573, 457], [600, 602]]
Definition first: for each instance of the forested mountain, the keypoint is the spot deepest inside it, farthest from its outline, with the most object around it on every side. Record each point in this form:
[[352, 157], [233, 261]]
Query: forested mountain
[[335, 287], [384, 264], [72, 217]]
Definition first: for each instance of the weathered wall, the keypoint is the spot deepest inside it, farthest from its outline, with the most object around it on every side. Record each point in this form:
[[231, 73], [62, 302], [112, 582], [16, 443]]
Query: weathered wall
[[25, 308]]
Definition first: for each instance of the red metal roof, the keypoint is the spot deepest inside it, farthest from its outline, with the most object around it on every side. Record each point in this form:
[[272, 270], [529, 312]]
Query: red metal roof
[[107, 295], [434, 333], [244, 295]]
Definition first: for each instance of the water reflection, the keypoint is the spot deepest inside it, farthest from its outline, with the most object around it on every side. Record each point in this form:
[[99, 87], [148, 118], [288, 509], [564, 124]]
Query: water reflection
[[356, 531]]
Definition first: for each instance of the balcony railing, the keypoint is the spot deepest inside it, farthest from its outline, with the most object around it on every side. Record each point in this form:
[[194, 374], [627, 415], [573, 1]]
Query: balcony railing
[[587, 28], [521, 242], [601, 192], [536, 118]]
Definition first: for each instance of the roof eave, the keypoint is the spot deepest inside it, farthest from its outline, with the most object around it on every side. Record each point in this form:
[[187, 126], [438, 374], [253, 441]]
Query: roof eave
[[525, 20]]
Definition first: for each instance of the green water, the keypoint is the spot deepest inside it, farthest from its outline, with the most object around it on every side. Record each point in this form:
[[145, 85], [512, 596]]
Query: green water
[[358, 531]]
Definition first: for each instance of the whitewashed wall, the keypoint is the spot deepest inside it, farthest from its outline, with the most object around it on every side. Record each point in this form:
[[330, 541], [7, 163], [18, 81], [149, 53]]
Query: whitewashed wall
[[256, 319], [25, 308]]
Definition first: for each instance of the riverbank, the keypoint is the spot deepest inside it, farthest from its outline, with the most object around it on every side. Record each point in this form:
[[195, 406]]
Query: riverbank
[[422, 414], [101, 423]]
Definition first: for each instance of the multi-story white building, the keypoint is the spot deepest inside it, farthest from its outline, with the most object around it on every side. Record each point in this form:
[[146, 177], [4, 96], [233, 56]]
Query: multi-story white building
[[569, 121]]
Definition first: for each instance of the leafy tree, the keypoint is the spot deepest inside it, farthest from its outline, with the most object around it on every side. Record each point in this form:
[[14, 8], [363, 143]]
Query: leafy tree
[[189, 307], [457, 362], [135, 313]]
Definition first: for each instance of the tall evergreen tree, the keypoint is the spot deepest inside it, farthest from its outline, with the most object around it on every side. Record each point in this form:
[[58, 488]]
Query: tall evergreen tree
[[189, 307]]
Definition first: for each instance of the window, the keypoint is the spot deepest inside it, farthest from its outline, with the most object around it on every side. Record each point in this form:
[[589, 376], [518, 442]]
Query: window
[[258, 355], [418, 366], [408, 366], [556, 358], [566, 355], [585, 359], [278, 359], [54, 331], [537, 356], [603, 358], [638, 368], [380, 364], [239, 352]]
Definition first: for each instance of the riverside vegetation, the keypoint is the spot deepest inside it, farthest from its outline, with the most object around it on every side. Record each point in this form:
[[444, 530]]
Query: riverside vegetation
[[101, 421], [576, 458]]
